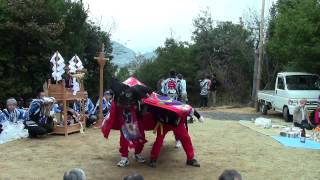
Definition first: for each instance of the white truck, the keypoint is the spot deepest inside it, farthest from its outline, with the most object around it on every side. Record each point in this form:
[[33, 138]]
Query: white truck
[[290, 88]]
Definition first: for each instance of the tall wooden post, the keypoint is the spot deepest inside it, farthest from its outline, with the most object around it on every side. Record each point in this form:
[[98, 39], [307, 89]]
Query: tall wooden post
[[259, 64], [101, 61]]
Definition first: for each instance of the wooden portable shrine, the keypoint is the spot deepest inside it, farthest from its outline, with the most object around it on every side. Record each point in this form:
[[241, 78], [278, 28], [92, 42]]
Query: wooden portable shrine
[[65, 95]]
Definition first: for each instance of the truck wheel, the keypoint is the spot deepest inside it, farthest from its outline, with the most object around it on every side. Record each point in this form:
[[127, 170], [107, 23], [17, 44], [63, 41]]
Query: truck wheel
[[263, 108], [286, 115]]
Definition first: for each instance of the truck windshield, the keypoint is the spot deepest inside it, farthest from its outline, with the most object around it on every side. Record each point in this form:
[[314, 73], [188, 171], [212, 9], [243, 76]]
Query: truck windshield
[[303, 82]]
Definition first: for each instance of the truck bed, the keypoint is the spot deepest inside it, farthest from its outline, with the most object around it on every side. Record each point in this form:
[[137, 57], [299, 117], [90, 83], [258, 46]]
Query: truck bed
[[266, 95]]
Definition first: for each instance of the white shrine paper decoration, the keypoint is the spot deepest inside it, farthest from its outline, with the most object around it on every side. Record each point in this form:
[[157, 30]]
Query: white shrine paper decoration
[[58, 66], [75, 64]]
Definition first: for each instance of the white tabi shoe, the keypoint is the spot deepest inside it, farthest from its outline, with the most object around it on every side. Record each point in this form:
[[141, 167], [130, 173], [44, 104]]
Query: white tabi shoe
[[124, 162], [139, 158]]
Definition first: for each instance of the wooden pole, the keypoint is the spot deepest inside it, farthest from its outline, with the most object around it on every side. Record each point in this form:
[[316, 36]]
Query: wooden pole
[[101, 61], [259, 64]]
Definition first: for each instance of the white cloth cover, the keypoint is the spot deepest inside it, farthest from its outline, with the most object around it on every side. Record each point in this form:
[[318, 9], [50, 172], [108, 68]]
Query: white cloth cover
[[263, 122], [12, 131]]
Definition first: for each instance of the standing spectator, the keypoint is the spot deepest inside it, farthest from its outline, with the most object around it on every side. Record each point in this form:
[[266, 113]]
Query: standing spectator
[[204, 91], [182, 87], [213, 90], [170, 86], [159, 85]]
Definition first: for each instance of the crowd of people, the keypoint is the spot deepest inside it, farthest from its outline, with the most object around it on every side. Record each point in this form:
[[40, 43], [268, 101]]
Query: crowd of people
[[38, 115], [175, 86]]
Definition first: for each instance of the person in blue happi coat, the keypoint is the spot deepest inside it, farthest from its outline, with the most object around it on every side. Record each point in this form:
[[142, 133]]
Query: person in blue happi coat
[[12, 113], [1, 121], [106, 103], [40, 117], [89, 109]]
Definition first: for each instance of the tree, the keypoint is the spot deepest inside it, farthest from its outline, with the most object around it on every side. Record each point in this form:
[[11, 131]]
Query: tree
[[226, 50], [32, 30], [123, 74], [294, 41]]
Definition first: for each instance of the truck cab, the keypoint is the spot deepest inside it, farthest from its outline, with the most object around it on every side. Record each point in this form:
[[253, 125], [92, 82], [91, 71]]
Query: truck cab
[[290, 88]]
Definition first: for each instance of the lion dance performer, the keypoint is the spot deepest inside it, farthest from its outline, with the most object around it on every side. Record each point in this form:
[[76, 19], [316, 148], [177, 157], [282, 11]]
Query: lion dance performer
[[125, 115], [152, 112]]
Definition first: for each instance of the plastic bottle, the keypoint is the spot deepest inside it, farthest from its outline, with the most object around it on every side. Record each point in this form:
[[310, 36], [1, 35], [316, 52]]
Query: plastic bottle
[[303, 136]]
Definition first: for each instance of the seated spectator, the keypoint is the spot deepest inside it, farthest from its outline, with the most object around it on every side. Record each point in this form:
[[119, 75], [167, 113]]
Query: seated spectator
[[74, 174], [1, 120], [12, 113], [89, 110], [134, 177], [40, 94], [1, 117], [106, 103], [72, 116], [40, 120], [300, 116], [230, 175]]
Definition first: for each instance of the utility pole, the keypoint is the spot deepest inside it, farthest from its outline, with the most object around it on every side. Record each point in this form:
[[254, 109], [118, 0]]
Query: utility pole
[[259, 64]]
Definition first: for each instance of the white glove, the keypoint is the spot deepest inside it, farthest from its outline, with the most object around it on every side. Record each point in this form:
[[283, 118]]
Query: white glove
[[201, 119]]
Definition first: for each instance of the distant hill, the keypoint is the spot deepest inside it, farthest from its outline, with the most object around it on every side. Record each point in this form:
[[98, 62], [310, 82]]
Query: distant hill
[[123, 55], [150, 55]]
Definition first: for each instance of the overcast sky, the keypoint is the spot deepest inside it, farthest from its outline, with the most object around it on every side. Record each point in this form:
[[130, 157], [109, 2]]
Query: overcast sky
[[143, 25]]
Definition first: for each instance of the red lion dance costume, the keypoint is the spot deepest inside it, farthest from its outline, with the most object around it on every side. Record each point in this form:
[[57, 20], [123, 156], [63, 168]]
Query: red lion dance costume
[[159, 113]]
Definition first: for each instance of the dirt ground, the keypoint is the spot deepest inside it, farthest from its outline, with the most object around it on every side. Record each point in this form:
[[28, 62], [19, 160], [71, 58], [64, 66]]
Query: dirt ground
[[219, 145]]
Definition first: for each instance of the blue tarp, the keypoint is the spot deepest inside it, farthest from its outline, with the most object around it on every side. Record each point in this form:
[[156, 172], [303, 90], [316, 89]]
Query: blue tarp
[[295, 143]]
